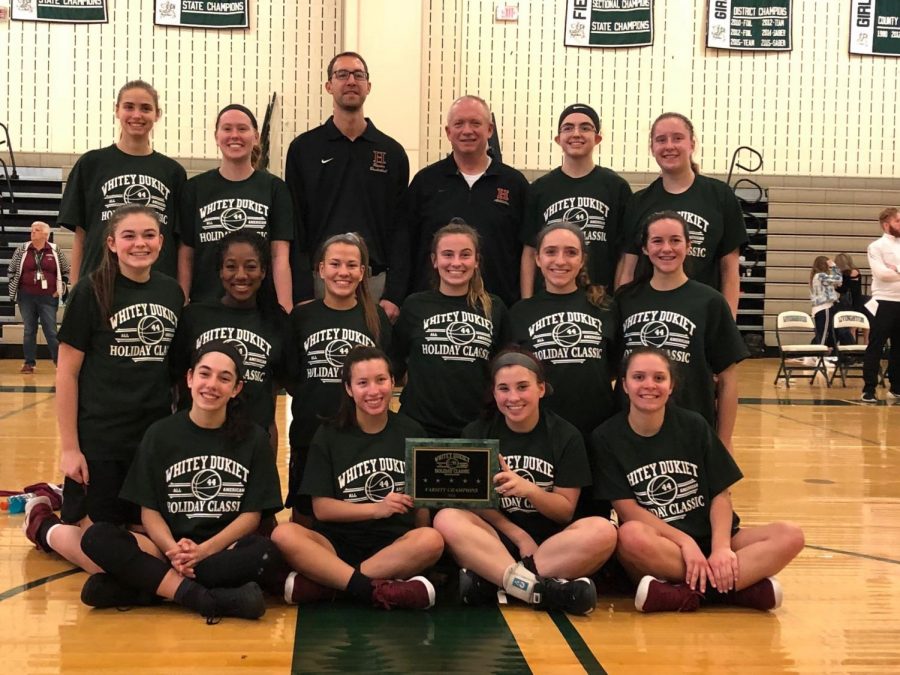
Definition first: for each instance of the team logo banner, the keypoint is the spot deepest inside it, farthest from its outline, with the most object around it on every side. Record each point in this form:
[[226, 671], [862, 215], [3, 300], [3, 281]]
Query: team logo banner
[[609, 23], [875, 27], [63, 11], [202, 13], [752, 25]]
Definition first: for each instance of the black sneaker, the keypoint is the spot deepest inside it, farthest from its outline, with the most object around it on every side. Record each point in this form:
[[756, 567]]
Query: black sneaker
[[103, 591], [475, 590], [868, 396], [578, 596], [243, 602]]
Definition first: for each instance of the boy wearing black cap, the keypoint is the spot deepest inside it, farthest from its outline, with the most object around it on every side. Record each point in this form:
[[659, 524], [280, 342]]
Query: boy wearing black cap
[[580, 192]]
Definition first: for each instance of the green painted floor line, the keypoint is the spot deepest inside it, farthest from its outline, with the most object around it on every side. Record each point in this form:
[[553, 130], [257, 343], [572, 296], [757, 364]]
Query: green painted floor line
[[852, 401], [854, 554], [12, 592], [341, 637], [577, 644], [27, 389]]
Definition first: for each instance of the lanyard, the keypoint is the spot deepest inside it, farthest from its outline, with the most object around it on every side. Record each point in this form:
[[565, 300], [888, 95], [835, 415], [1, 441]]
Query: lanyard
[[38, 272]]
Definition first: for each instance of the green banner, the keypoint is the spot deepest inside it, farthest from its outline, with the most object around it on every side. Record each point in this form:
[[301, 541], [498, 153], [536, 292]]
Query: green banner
[[875, 27], [65, 11], [203, 13], [754, 25], [609, 23]]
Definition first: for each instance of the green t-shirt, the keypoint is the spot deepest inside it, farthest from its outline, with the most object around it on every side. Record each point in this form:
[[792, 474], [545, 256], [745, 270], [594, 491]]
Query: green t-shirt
[[262, 343], [694, 325], [212, 206], [595, 202], [713, 213], [574, 340], [674, 474], [198, 480], [323, 337], [353, 466], [550, 455], [123, 385], [445, 346], [105, 179]]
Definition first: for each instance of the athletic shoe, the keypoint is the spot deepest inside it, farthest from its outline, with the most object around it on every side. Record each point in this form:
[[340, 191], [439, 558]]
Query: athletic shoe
[[578, 596], [765, 594], [893, 395], [243, 602], [868, 396], [654, 595], [299, 590], [27, 369], [103, 591], [37, 511], [475, 590], [415, 593]]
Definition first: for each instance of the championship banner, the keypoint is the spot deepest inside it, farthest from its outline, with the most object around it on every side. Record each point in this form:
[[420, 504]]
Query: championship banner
[[608, 23], [875, 27], [64, 11], [202, 13], [753, 25]]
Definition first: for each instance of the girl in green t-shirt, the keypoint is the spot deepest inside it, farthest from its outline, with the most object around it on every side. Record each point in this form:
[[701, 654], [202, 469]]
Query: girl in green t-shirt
[[249, 314], [444, 338], [367, 534], [112, 381], [529, 546], [669, 477], [203, 479]]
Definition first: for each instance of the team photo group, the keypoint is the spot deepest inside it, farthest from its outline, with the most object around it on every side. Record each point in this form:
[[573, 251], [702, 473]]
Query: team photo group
[[586, 330]]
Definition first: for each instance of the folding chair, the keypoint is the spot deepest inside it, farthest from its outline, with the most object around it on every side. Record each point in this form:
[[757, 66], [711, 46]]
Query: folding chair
[[794, 321], [849, 357]]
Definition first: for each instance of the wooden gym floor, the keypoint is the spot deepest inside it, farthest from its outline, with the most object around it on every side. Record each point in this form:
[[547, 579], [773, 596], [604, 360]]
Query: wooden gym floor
[[810, 454]]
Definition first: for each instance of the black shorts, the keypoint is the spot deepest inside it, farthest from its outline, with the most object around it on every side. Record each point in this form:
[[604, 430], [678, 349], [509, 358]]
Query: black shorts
[[705, 543], [354, 550], [100, 498]]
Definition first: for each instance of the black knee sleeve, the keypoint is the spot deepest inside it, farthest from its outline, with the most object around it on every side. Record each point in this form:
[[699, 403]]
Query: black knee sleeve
[[116, 552], [253, 558]]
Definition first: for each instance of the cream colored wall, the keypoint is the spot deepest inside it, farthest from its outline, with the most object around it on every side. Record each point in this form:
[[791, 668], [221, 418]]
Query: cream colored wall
[[813, 111]]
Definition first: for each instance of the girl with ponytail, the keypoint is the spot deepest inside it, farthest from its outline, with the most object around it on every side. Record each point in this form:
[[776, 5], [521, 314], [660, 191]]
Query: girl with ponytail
[[444, 338]]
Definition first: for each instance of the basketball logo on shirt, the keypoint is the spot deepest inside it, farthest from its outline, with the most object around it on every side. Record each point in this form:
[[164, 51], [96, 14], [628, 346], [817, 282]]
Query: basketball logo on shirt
[[142, 332], [588, 213], [667, 488], [205, 486], [372, 480], [458, 336], [222, 216], [379, 161], [567, 337], [135, 188], [533, 469], [326, 350], [662, 329]]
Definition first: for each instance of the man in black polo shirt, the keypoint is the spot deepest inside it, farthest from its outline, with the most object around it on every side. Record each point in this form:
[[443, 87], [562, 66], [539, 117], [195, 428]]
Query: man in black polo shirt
[[469, 184], [346, 176]]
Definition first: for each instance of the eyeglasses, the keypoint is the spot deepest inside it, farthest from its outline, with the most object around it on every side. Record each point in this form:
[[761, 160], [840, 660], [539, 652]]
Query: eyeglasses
[[358, 75], [584, 128]]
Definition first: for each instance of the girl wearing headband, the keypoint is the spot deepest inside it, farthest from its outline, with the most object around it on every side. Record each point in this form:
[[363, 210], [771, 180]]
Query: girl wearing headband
[[233, 197], [203, 478]]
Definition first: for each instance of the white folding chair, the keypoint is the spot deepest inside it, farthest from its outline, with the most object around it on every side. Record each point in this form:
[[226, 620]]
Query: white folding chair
[[849, 357], [794, 321]]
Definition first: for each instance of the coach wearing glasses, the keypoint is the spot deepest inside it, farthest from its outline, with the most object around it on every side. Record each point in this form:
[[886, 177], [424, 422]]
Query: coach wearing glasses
[[347, 176]]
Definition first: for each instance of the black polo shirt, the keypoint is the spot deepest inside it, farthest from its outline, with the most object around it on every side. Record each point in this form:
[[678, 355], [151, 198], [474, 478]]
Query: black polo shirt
[[494, 205], [339, 185]]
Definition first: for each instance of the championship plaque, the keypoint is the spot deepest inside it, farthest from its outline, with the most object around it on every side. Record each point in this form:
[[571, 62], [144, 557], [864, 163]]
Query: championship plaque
[[454, 472]]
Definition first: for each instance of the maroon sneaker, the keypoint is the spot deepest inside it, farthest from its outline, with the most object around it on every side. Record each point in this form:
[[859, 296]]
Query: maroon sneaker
[[298, 590], [654, 595], [764, 595], [415, 593], [37, 510]]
